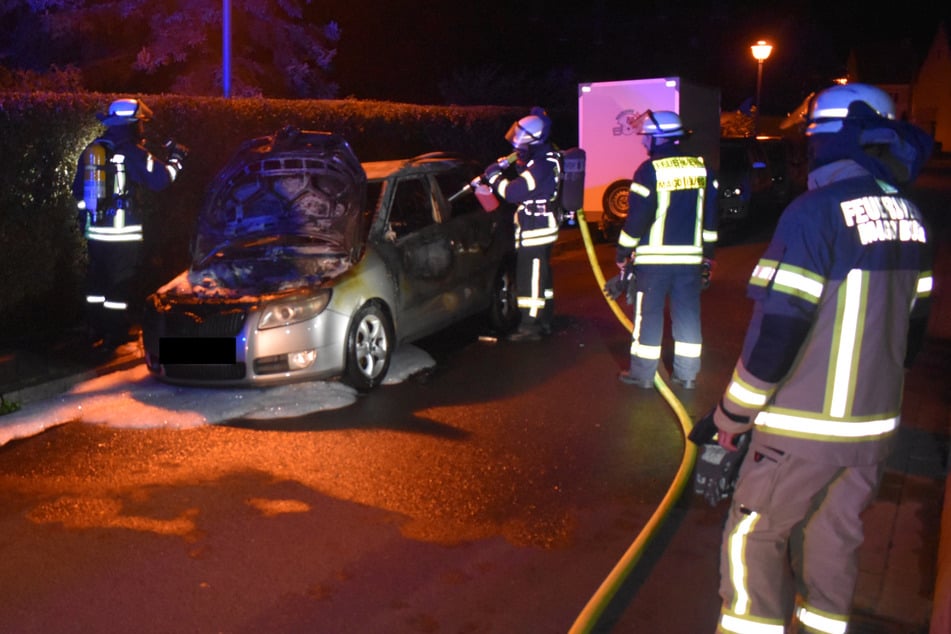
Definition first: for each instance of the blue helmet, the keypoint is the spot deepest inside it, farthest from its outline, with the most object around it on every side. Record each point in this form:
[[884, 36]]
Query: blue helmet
[[831, 106], [126, 111], [662, 124], [530, 130]]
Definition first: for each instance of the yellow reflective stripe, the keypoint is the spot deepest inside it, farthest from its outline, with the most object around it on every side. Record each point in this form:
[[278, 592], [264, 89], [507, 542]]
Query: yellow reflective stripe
[[115, 305], [670, 259], [537, 242], [645, 352], [668, 249], [129, 237], [689, 350], [824, 622], [736, 549], [744, 394], [535, 233], [656, 235], [925, 284], [639, 190], [798, 282], [116, 230], [627, 241], [763, 272], [819, 428], [846, 342], [95, 299], [710, 236], [747, 625]]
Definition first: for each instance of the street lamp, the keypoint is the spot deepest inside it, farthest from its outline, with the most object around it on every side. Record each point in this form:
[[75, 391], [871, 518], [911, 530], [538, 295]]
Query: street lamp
[[761, 51]]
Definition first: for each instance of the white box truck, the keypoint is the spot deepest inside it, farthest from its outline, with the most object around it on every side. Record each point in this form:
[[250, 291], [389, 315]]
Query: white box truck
[[606, 111]]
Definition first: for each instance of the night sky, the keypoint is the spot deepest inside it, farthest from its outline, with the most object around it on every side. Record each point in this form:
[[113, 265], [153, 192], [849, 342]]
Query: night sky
[[401, 49]]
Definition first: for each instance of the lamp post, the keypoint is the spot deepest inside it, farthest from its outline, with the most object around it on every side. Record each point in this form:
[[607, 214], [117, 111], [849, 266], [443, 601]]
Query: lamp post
[[226, 47], [761, 51]]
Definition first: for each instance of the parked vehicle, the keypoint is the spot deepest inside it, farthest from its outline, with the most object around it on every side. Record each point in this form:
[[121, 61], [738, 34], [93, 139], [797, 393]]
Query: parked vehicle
[[744, 178], [758, 177], [295, 277], [607, 132]]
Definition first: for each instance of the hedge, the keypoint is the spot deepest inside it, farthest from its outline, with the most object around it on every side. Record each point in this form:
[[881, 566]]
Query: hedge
[[42, 253]]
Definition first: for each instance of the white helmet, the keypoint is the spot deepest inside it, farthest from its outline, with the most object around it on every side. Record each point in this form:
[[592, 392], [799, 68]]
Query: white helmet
[[662, 124], [831, 106], [530, 130], [126, 111]]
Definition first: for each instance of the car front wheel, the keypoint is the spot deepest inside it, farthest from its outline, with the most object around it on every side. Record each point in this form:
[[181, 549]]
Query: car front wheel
[[369, 348]]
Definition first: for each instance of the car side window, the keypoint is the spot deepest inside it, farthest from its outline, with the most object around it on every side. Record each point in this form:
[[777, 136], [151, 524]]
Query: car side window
[[449, 184], [412, 207]]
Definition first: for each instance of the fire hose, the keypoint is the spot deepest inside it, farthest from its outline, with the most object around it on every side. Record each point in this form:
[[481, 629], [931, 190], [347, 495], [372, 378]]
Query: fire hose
[[596, 605]]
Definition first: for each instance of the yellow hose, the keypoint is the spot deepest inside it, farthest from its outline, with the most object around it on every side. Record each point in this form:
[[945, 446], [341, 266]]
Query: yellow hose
[[596, 605]]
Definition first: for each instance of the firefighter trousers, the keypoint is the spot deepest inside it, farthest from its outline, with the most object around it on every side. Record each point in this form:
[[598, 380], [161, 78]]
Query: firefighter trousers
[[112, 292], [654, 284], [790, 542], [535, 292]]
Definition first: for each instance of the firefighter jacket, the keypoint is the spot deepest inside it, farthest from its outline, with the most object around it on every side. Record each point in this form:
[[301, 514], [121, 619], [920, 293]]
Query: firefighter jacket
[[822, 367], [534, 188], [672, 216], [130, 164]]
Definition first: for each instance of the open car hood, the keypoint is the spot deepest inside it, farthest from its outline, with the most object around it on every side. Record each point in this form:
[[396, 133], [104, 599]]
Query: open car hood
[[287, 210]]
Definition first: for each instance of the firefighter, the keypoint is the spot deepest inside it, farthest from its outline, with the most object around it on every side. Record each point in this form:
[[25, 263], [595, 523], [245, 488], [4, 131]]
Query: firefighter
[[841, 298], [531, 183], [111, 169], [669, 234]]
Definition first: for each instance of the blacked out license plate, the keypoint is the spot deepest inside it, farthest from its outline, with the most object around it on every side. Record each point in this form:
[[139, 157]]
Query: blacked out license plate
[[197, 350]]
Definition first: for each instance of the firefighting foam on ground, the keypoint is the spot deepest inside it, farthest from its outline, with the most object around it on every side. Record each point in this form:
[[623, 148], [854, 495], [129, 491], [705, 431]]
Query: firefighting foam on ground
[[133, 399]]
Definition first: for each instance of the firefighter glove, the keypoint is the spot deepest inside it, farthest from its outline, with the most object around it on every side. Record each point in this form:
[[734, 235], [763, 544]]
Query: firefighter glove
[[177, 153], [622, 283]]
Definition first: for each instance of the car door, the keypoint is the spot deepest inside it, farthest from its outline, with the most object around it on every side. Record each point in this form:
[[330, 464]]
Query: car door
[[474, 237], [424, 257]]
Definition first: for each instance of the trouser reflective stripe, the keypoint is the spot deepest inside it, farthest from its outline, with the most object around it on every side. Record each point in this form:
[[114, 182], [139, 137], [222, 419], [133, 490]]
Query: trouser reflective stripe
[[817, 622], [95, 299], [115, 305], [535, 292], [733, 624]]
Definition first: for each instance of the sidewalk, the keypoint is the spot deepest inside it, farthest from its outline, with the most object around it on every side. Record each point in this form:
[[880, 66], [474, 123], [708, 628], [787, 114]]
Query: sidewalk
[[907, 545]]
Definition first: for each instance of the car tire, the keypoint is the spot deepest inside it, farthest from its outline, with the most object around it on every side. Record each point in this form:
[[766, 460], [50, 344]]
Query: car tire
[[370, 344], [503, 312]]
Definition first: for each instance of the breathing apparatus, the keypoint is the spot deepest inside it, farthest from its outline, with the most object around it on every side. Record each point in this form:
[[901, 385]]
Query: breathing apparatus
[[94, 178]]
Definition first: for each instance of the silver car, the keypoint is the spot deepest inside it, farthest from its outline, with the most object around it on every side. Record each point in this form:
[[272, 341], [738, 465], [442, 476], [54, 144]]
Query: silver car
[[307, 264]]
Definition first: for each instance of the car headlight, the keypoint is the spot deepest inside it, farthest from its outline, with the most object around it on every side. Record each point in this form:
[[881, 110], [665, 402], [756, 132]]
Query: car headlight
[[293, 311], [732, 192]]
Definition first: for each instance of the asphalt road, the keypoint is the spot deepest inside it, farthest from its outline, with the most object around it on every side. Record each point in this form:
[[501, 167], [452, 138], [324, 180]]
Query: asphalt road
[[492, 494]]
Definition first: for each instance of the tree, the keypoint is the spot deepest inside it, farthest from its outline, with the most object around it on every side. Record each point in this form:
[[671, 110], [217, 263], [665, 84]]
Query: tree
[[176, 45]]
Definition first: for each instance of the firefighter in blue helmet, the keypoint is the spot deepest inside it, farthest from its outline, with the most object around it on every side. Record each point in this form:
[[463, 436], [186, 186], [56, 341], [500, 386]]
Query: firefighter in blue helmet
[[841, 299], [110, 170], [669, 235], [532, 184]]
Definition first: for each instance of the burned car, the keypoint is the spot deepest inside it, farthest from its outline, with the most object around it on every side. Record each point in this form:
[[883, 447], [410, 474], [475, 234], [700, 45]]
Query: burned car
[[308, 264]]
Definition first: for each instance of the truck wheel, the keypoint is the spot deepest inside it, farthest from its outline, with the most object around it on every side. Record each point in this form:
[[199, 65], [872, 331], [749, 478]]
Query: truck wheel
[[615, 203]]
